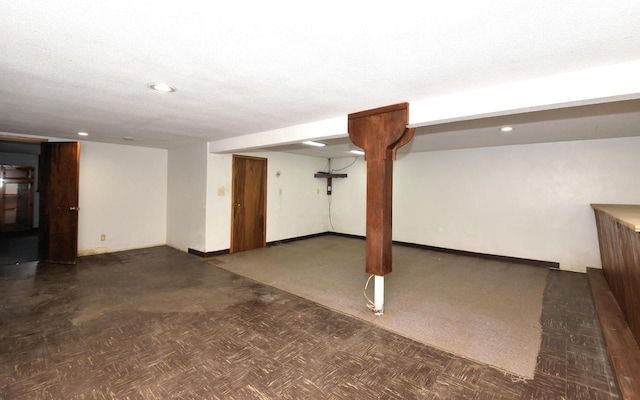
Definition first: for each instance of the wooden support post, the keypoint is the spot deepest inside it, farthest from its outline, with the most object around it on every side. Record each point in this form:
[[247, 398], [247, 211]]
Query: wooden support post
[[380, 132]]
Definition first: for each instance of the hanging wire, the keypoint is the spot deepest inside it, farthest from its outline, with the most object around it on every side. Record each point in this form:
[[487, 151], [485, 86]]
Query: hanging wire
[[326, 167], [370, 304], [330, 222], [331, 171], [340, 169]]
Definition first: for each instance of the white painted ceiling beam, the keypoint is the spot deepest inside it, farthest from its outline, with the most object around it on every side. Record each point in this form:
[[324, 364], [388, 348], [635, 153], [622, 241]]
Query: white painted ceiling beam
[[324, 129], [592, 86]]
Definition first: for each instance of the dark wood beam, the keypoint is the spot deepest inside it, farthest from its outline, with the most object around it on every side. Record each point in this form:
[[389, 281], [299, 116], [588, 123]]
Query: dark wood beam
[[380, 132], [329, 177]]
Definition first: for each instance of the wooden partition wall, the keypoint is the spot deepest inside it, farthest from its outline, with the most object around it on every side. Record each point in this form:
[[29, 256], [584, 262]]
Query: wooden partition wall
[[619, 237], [616, 292]]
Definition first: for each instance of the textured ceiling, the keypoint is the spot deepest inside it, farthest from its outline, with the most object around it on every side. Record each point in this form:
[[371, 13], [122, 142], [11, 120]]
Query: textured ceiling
[[243, 67]]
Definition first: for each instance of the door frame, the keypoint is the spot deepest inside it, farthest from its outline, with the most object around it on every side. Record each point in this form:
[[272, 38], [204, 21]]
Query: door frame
[[234, 183]]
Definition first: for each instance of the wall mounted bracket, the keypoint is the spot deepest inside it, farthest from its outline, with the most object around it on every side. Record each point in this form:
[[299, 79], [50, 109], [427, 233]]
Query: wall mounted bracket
[[329, 177]]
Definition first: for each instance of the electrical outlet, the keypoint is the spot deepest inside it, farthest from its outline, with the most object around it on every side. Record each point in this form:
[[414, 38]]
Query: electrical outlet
[[103, 237]]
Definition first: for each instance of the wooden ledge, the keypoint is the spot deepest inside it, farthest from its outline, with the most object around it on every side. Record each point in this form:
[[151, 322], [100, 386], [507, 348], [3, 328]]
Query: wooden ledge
[[626, 214], [624, 353]]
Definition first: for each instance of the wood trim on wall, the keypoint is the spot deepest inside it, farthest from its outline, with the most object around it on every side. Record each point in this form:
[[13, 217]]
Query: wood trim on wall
[[494, 257], [208, 253]]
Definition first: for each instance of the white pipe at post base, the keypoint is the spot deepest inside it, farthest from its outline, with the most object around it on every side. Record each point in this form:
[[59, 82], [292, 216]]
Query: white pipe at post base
[[378, 295]]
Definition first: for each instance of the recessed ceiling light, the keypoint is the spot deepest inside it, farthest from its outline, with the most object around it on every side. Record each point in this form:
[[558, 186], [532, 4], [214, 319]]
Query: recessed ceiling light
[[358, 152], [83, 134], [312, 143], [162, 87], [506, 129], [128, 138]]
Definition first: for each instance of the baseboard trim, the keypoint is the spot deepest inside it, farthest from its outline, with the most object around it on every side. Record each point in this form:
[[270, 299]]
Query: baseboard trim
[[208, 253], [494, 257], [295, 239], [347, 235]]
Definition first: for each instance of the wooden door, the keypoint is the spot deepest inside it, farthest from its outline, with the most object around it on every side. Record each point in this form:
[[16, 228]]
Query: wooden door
[[58, 232], [249, 203]]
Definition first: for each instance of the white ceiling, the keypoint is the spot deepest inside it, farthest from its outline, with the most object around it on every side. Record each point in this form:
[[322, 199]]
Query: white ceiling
[[244, 67]]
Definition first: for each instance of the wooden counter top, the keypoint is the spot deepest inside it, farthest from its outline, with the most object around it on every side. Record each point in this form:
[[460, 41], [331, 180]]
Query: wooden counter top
[[626, 214]]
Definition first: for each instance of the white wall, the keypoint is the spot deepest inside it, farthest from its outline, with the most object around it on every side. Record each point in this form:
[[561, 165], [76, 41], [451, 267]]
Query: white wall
[[123, 195], [218, 202], [186, 201], [296, 201], [28, 160], [349, 198], [529, 201]]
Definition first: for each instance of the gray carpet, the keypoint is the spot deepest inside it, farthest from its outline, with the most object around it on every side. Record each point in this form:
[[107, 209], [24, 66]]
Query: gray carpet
[[487, 311]]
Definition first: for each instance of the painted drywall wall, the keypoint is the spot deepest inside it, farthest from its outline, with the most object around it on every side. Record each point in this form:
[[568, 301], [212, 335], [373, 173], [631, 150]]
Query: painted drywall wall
[[529, 201], [349, 198], [29, 160], [218, 202], [297, 203], [186, 201], [123, 195]]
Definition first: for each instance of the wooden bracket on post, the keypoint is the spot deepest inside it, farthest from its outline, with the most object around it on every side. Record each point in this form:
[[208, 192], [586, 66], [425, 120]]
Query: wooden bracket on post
[[380, 132], [329, 177]]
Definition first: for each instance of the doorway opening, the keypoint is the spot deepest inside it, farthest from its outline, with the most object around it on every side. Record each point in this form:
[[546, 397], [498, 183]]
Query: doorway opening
[[19, 200], [16, 197]]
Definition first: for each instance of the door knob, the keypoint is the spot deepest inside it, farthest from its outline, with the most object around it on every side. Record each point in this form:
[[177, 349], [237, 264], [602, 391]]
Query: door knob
[[237, 204], [74, 208]]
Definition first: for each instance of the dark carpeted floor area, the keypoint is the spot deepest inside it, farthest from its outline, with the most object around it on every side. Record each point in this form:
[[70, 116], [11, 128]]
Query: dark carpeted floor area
[[158, 324]]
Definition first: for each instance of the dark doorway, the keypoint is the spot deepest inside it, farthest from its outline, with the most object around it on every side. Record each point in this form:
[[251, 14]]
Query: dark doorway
[[18, 247], [16, 197], [20, 214]]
